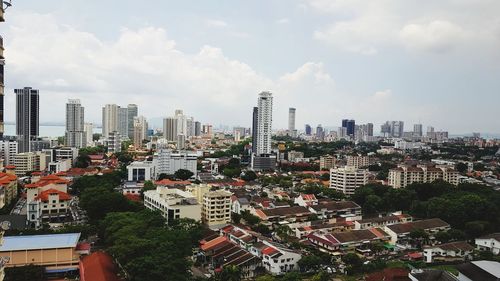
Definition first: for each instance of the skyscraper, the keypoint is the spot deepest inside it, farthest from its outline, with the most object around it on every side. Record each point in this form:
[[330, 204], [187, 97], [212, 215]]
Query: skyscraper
[[75, 130], [350, 126], [417, 130], [308, 129], [132, 112], [123, 122], [140, 131], [291, 121], [397, 129], [255, 115], [27, 117], [264, 123], [170, 129], [197, 128], [109, 119]]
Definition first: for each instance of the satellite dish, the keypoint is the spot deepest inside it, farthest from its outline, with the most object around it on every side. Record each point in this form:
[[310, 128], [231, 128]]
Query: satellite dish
[[5, 225]]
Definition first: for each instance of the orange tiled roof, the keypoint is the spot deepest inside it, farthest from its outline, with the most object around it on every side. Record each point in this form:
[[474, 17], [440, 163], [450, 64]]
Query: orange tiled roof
[[50, 179], [6, 178], [44, 196], [171, 182]]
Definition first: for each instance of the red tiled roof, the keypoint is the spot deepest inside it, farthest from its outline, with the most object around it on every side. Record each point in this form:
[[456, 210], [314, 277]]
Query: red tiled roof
[[171, 182], [269, 251], [44, 196], [10, 167], [6, 178], [212, 243], [133, 197], [44, 181], [98, 266]]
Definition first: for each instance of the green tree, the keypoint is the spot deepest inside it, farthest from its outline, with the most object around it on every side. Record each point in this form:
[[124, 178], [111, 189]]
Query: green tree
[[249, 176], [183, 174], [291, 276], [443, 236], [265, 278], [372, 205], [229, 273], [321, 276], [461, 167], [309, 263]]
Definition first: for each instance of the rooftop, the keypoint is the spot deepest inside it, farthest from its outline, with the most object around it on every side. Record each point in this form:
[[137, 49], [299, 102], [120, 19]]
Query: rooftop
[[35, 242]]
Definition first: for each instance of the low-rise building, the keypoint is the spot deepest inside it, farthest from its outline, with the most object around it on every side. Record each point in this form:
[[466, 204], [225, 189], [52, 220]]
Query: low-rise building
[[382, 221], [8, 188], [358, 161], [337, 210], [400, 232], [405, 175], [327, 162], [47, 200], [289, 214], [479, 271], [347, 179], [141, 171], [306, 200], [348, 240], [56, 252], [490, 243], [454, 251], [216, 209], [173, 203]]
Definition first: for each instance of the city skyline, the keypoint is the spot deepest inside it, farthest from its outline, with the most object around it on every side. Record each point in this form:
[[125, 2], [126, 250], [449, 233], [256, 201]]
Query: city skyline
[[424, 70]]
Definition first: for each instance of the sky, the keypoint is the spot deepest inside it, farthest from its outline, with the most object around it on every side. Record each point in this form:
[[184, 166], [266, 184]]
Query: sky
[[430, 62]]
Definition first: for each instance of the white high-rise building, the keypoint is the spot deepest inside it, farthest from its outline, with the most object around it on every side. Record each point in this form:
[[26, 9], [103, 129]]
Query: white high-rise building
[[8, 149], [75, 130], [170, 129], [109, 119], [181, 122], [264, 123], [347, 179], [169, 162], [417, 130], [88, 128]]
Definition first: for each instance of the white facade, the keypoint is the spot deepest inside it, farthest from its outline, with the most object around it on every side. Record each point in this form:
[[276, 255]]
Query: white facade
[[75, 131], [29, 162], [489, 243], [109, 119], [141, 171], [7, 151], [59, 166], [279, 260], [264, 123], [347, 179], [114, 142], [173, 203], [169, 162], [89, 132]]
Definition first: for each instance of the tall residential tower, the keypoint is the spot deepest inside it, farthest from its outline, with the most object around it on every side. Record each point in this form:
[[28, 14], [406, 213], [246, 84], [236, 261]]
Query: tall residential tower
[[27, 117], [75, 128]]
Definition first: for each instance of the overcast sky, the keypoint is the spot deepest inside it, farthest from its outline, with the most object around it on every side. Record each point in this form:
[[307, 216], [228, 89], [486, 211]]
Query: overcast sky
[[433, 62]]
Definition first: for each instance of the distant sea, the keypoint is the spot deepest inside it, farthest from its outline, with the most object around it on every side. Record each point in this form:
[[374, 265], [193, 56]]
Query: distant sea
[[45, 131]]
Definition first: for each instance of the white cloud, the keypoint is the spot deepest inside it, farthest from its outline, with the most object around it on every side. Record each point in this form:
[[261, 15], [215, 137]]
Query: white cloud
[[367, 27], [216, 23], [436, 36], [382, 95], [146, 67]]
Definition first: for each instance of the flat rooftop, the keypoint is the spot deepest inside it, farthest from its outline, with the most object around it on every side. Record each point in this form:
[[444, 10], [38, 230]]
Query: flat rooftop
[[36, 242]]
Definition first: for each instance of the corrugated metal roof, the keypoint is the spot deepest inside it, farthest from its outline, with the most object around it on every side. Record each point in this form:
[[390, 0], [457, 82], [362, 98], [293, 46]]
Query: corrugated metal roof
[[35, 242]]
